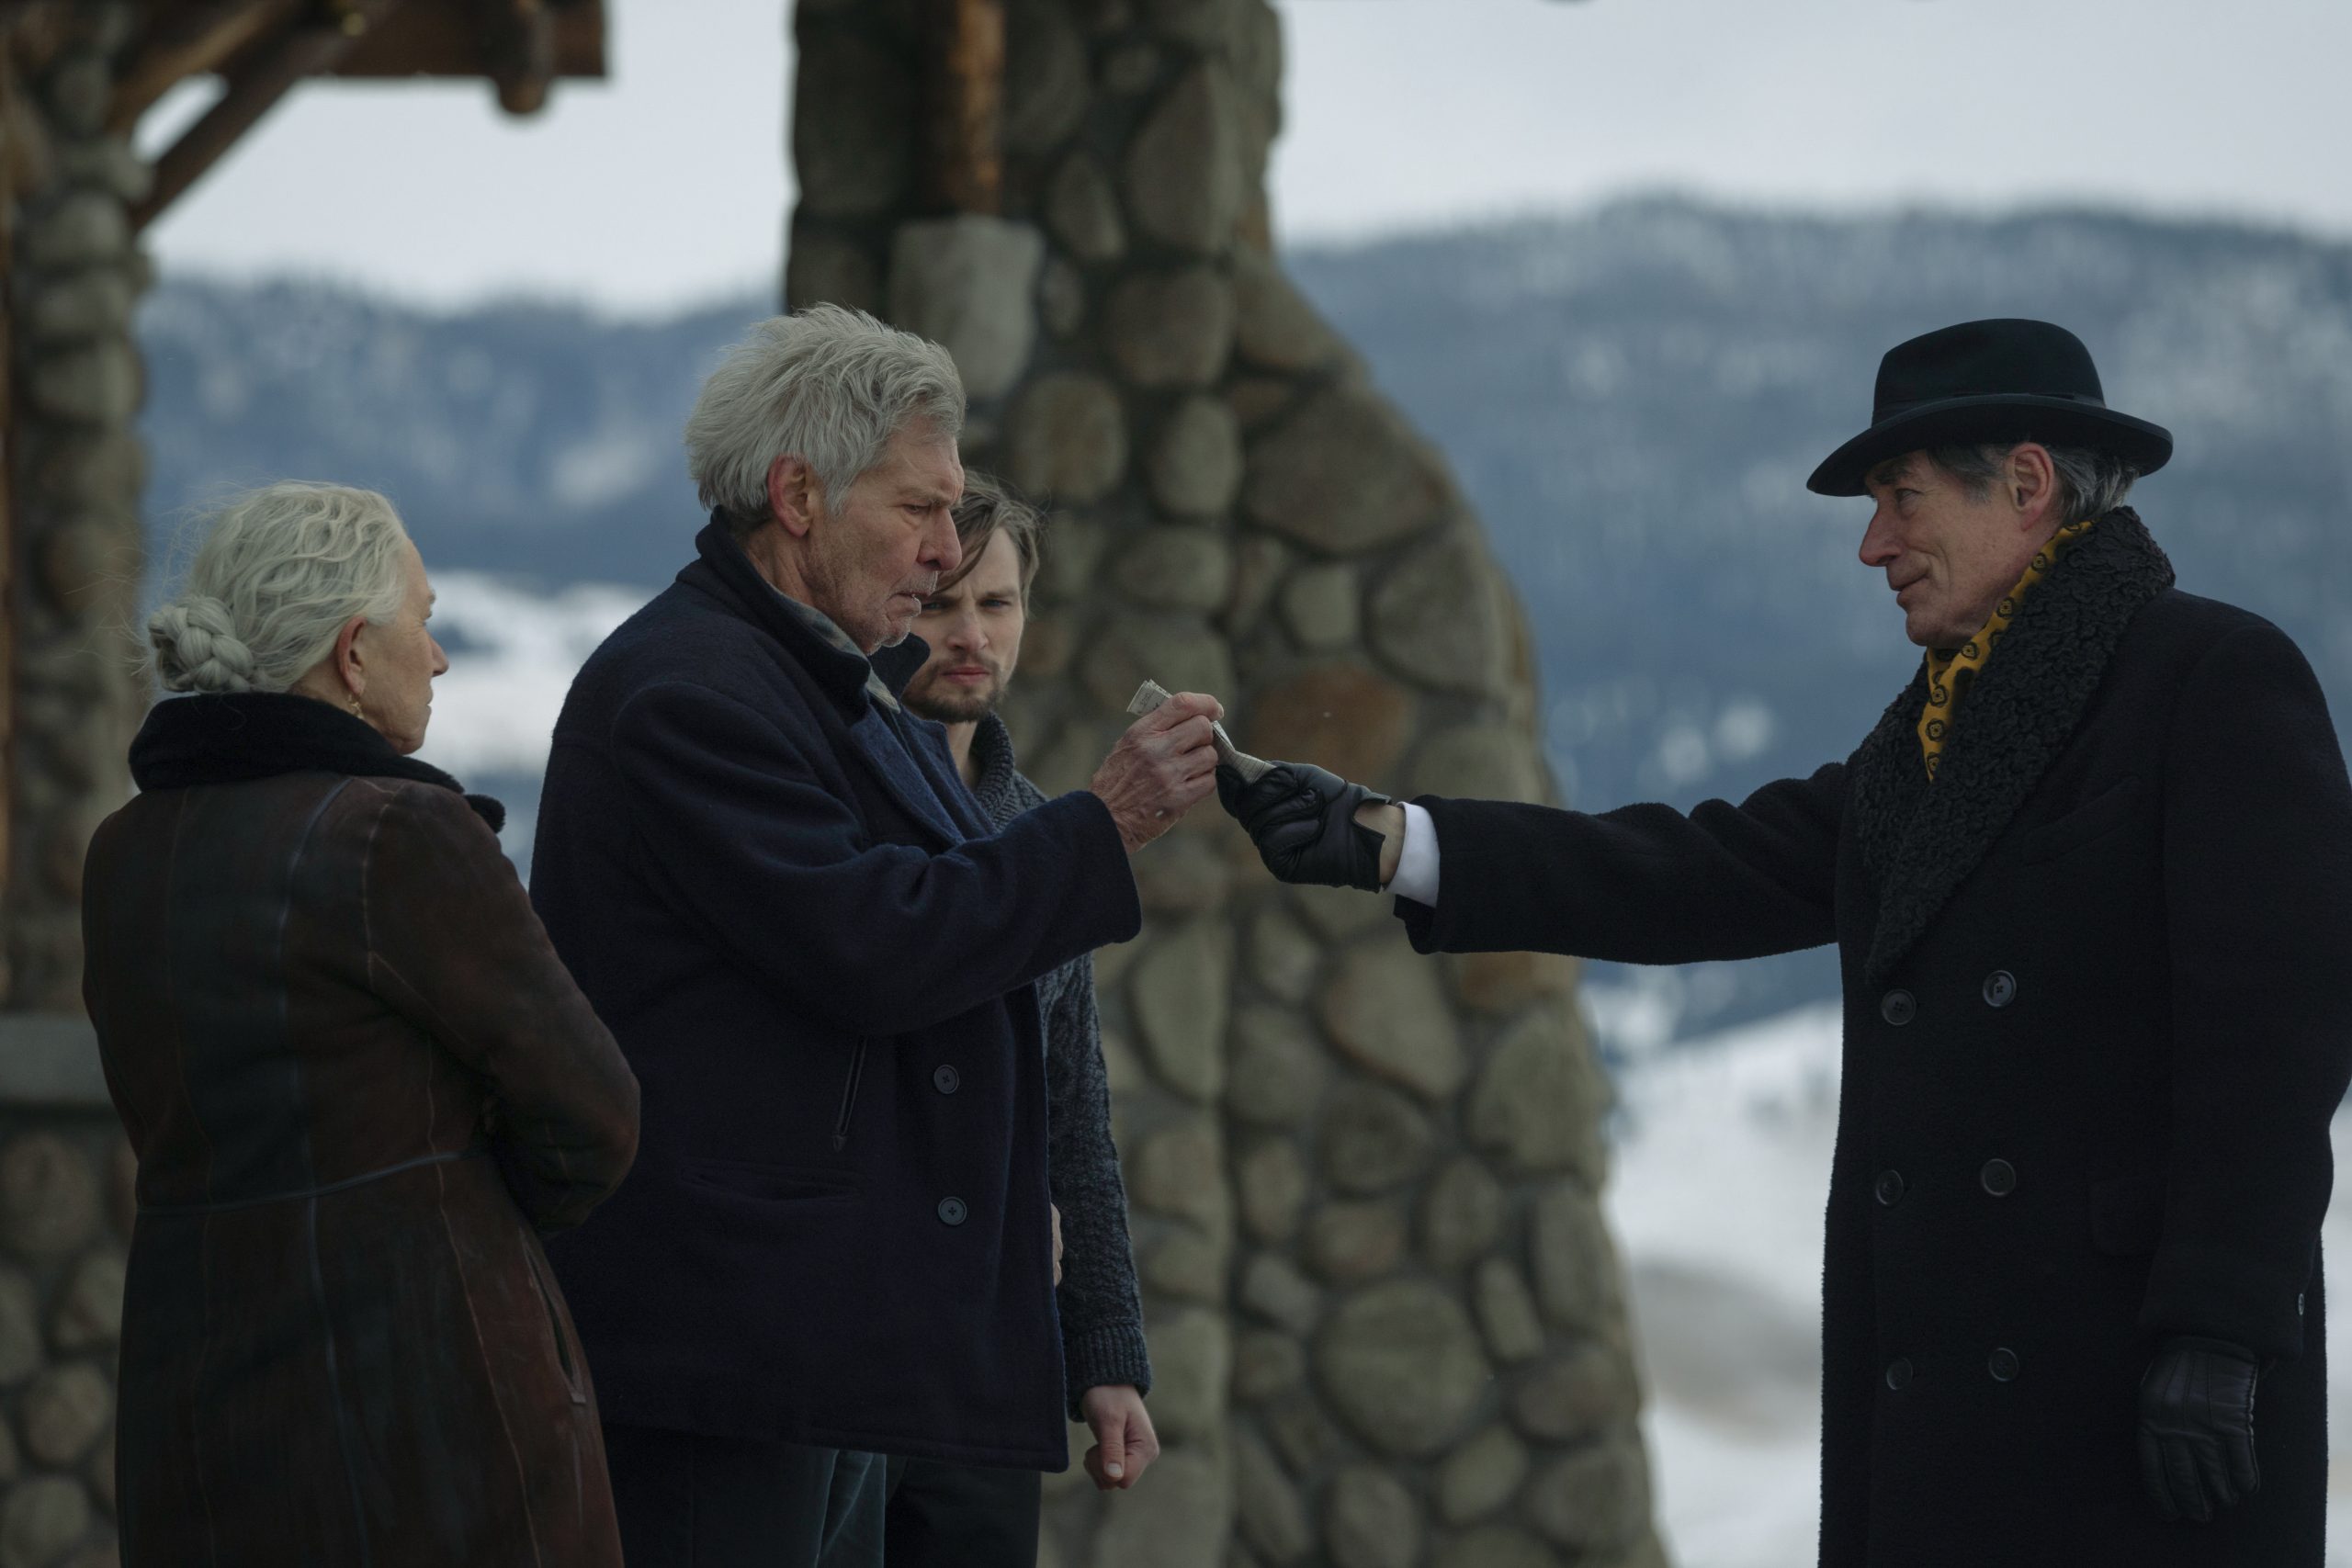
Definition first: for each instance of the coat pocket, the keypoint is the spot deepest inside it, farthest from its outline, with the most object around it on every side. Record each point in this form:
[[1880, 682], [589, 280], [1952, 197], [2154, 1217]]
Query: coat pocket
[[567, 1358], [769, 1183], [2094, 820], [2128, 1215]]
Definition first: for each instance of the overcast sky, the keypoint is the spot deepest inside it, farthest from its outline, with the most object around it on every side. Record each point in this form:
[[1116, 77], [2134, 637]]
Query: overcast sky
[[667, 185]]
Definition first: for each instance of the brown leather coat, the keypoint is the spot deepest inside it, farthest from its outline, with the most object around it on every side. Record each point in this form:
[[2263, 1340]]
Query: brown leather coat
[[358, 1082]]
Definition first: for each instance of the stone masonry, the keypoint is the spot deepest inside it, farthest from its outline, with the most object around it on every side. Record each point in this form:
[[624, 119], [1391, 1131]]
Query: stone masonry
[[65, 1210], [1387, 1321], [77, 471]]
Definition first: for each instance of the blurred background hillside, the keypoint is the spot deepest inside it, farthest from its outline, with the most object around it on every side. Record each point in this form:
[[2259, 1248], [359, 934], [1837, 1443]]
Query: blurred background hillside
[[1631, 399]]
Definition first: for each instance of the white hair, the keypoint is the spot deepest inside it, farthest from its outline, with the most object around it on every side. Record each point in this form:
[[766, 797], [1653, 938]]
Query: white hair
[[828, 385], [279, 571], [2090, 483]]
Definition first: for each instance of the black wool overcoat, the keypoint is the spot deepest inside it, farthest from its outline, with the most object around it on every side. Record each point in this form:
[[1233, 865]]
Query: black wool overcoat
[[820, 963], [2095, 1027]]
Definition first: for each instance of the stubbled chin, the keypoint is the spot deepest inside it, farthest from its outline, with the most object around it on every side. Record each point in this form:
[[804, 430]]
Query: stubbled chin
[[948, 706]]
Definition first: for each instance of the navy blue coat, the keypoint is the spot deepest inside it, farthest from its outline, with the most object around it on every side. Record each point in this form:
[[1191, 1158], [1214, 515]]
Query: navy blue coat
[[819, 963]]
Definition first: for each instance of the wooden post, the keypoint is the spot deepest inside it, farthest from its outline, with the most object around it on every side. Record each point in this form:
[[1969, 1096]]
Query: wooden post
[[307, 48], [964, 70], [196, 43], [12, 116], [519, 48]]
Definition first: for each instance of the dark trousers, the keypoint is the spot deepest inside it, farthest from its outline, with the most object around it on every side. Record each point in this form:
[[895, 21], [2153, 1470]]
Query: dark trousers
[[958, 1516], [691, 1502]]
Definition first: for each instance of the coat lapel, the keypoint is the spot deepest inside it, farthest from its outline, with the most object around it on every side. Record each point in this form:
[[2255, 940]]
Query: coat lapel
[[925, 788], [893, 764], [1920, 841]]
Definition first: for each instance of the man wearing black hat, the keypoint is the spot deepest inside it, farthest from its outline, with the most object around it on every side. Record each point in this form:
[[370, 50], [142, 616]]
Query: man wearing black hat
[[2090, 878]]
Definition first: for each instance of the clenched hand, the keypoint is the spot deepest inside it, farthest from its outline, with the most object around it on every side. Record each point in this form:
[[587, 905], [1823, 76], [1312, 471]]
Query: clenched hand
[[1124, 1440], [1164, 766]]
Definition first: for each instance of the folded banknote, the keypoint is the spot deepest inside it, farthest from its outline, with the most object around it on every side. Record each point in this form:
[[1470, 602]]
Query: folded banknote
[[1151, 693]]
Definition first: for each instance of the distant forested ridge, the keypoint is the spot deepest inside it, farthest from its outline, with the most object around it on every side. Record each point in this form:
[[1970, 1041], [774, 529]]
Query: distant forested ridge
[[1633, 399]]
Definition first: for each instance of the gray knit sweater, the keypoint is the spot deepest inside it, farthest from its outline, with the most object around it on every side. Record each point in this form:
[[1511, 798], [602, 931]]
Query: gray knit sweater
[[1101, 1311]]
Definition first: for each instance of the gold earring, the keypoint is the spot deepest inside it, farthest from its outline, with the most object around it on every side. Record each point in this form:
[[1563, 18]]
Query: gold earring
[[355, 707]]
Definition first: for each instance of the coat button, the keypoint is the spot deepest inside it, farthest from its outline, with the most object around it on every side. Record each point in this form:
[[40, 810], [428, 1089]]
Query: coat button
[[1898, 1008], [1999, 1177], [945, 1080], [2000, 988], [1890, 1187], [1898, 1374], [951, 1210], [2002, 1364]]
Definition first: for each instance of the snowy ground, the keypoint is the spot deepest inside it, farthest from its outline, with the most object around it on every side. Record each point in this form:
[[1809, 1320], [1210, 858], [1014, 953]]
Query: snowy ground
[[1721, 1173]]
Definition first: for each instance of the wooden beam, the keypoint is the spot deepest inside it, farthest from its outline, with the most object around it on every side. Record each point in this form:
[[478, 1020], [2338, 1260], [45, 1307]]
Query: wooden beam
[[12, 110], [963, 72], [196, 42], [465, 38], [265, 75]]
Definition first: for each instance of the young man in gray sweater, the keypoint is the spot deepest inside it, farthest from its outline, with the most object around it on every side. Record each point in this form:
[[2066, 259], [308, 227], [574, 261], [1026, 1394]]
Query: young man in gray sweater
[[965, 1516]]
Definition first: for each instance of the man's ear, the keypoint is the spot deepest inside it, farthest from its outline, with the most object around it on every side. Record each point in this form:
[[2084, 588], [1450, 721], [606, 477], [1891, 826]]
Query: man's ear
[[795, 498], [2033, 484]]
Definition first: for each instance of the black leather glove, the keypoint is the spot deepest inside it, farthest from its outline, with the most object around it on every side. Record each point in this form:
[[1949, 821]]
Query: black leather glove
[[2196, 1427], [1303, 821]]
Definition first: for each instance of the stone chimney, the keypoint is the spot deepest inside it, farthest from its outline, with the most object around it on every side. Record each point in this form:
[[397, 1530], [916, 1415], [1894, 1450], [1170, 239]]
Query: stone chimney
[[1388, 1323]]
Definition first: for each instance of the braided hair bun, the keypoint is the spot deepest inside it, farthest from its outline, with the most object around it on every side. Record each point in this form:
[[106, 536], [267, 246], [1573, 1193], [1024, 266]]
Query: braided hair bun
[[197, 648]]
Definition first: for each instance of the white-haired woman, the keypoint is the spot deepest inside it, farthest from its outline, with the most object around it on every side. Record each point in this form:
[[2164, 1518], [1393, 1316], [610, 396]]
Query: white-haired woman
[[358, 1082]]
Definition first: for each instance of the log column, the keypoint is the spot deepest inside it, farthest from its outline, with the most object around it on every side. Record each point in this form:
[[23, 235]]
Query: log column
[[77, 472]]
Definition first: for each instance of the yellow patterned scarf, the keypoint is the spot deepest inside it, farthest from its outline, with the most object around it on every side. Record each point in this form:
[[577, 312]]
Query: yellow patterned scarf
[[1950, 671]]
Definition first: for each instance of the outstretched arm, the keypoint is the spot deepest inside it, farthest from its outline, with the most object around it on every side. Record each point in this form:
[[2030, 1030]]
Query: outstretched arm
[[1640, 884], [746, 837]]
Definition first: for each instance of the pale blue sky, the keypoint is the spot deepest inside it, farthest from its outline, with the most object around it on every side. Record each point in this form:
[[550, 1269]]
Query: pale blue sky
[[667, 185]]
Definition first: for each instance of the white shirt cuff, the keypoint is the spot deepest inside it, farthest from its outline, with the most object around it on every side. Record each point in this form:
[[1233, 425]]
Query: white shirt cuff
[[1415, 875]]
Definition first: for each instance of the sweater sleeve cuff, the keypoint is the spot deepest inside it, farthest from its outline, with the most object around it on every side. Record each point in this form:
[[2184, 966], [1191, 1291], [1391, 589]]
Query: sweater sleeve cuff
[[1107, 1355]]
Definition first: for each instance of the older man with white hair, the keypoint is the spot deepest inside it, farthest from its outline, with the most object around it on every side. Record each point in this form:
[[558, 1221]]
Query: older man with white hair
[[821, 960]]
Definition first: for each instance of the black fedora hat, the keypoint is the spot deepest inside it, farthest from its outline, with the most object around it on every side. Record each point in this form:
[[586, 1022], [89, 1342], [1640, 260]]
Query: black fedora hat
[[2004, 379]]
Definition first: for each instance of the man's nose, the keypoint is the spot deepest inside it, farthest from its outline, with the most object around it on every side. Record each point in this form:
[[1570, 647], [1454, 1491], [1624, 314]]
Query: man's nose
[[964, 634], [945, 551], [1878, 541]]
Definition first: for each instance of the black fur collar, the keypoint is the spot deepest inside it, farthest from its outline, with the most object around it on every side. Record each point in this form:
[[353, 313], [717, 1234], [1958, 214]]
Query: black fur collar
[[1919, 840], [231, 738]]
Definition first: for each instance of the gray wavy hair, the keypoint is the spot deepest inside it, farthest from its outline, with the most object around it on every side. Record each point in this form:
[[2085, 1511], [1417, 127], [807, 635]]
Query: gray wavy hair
[[828, 385], [278, 572]]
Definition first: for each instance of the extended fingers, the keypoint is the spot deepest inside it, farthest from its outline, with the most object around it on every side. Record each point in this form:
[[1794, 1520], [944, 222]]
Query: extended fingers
[[2151, 1477], [2245, 1473], [2180, 1481], [2212, 1474]]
